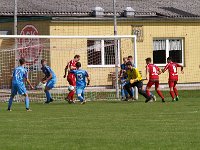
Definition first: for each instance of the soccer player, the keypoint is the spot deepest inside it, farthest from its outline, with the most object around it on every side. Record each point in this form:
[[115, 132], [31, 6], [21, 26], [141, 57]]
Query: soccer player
[[135, 79], [123, 77], [152, 75], [130, 58], [81, 76], [19, 75], [173, 77], [71, 77], [49, 79]]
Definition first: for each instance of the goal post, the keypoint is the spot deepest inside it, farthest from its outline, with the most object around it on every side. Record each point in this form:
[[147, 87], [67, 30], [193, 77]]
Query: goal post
[[97, 57]]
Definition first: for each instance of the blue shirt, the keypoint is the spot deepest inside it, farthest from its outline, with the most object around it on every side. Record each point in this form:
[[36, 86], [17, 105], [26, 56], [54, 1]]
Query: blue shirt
[[80, 77], [47, 71], [19, 74]]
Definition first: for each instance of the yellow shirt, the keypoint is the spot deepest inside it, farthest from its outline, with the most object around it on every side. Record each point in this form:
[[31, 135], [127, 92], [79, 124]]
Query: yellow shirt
[[134, 74]]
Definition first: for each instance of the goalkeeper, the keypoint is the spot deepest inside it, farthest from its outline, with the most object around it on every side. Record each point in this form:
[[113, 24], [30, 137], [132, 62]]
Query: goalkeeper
[[135, 79]]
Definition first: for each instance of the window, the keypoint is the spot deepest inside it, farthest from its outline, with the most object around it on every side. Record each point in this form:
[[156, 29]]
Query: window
[[101, 53], [163, 48]]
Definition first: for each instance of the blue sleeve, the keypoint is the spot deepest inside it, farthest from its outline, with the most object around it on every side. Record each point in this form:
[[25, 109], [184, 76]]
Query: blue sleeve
[[121, 66], [48, 69], [73, 71], [25, 74]]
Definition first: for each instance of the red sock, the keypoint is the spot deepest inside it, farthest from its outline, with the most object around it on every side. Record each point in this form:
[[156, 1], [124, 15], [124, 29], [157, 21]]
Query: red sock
[[175, 91], [160, 94], [172, 94], [71, 95], [148, 92]]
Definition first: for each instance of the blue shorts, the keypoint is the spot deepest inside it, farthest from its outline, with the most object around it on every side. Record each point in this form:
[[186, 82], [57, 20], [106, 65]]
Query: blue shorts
[[20, 89], [80, 90], [51, 83]]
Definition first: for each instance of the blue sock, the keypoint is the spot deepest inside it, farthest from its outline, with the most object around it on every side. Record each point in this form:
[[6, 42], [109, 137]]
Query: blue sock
[[10, 102], [48, 96], [83, 95], [80, 98], [27, 102]]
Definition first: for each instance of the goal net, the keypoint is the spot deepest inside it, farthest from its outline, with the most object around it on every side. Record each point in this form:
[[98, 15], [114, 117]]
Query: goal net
[[97, 56]]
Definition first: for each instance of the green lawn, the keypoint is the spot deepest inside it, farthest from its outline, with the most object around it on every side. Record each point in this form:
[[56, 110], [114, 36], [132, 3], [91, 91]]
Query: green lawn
[[103, 125]]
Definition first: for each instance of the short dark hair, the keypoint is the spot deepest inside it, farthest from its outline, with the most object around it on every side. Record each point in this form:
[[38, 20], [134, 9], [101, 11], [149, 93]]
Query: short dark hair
[[43, 60], [169, 58], [129, 63], [148, 59], [130, 57], [78, 64], [76, 56], [22, 61]]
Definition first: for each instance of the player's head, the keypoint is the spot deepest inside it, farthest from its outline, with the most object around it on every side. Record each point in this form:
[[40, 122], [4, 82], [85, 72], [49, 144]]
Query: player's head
[[169, 59], [22, 61], [125, 59], [43, 62], [148, 60], [78, 65], [77, 58], [130, 58], [129, 65]]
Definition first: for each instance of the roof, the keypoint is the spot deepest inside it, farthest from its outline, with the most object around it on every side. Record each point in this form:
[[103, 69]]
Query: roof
[[164, 8]]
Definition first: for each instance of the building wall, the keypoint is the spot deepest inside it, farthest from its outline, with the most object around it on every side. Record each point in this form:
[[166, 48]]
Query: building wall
[[187, 30], [7, 50], [61, 51]]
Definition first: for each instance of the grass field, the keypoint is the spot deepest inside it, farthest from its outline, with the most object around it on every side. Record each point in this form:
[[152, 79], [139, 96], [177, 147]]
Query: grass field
[[103, 125]]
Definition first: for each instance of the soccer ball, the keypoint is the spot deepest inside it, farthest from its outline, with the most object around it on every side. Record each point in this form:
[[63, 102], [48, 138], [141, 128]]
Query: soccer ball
[[70, 88], [41, 86]]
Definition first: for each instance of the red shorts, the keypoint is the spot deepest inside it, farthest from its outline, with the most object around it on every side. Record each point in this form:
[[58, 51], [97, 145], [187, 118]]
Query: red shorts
[[172, 83], [151, 82], [71, 79]]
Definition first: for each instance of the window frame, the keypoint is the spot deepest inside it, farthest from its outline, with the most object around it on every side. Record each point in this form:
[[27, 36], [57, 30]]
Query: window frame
[[167, 49], [103, 52]]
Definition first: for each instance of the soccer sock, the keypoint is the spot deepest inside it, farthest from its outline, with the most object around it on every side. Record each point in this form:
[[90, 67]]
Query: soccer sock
[[172, 94], [175, 91], [140, 91], [71, 95], [80, 98], [82, 94], [160, 94], [10, 103], [48, 96], [27, 102], [148, 92]]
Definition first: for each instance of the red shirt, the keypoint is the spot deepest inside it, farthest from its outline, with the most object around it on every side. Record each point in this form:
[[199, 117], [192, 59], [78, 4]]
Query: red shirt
[[153, 71], [72, 63], [173, 72]]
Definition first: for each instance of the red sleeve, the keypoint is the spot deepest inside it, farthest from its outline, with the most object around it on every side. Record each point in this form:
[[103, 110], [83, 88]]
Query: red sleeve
[[178, 65], [166, 67]]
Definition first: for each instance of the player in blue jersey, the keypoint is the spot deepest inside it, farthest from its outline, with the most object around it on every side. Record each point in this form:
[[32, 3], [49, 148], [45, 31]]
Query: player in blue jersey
[[123, 77], [49, 79], [19, 77], [81, 76]]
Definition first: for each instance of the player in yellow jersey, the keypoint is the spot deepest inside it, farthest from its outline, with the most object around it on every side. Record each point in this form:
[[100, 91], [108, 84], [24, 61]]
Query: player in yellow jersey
[[135, 79]]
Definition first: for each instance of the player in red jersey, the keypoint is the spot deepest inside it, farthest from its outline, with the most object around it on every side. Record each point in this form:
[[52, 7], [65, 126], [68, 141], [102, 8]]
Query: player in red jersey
[[152, 75], [173, 77], [71, 77]]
